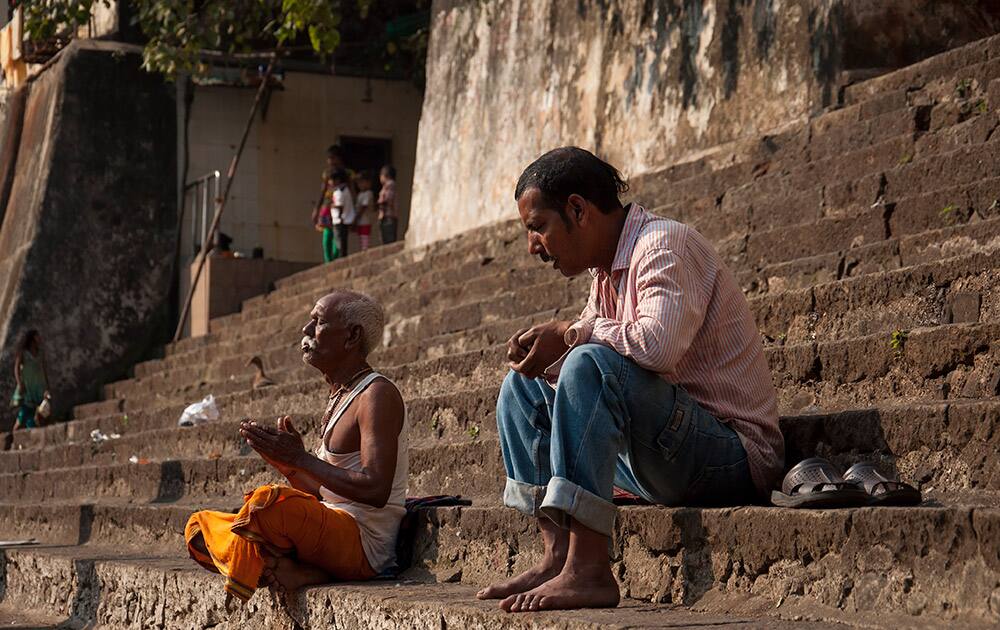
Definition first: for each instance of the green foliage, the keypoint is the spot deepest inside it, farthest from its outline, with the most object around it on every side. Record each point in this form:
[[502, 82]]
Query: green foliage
[[178, 31], [473, 431], [897, 341], [906, 158], [948, 210], [963, 87], [982, 107], [47, 20]]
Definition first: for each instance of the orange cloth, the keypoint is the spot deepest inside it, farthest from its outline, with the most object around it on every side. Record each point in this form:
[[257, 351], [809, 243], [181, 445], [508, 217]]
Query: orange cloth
[[281, 521]]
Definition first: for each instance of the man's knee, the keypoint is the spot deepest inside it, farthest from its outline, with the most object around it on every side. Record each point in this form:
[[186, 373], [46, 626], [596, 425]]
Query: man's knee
[[589, 359], [512, 395]]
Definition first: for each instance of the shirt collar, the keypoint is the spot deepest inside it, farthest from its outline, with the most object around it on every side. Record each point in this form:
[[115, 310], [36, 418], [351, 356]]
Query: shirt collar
[[634, 220]]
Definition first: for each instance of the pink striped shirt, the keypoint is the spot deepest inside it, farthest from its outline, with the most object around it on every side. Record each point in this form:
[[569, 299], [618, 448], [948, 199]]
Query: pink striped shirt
[[672, 306]]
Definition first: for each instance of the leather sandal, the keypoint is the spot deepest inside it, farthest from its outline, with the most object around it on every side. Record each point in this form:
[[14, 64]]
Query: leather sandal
[[816, 483], [882, 490]]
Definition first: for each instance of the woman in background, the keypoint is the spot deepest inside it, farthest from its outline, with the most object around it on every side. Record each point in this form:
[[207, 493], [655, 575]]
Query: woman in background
[[32, 383]]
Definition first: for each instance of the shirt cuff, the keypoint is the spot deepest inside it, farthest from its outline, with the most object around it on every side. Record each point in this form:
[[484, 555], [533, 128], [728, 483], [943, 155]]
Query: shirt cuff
[[579, 333]]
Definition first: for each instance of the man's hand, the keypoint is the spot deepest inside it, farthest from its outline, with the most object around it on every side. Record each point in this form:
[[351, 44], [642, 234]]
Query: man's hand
[[281, 447], [531, 350]]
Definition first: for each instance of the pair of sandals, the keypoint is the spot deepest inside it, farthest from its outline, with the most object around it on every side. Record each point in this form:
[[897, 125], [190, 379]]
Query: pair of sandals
[[816, 483]]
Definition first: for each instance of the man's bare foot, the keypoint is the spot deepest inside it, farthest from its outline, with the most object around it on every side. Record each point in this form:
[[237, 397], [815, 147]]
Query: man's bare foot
[[267, 575], [593, 587], [556, 542], [289, 576], [535, 576]]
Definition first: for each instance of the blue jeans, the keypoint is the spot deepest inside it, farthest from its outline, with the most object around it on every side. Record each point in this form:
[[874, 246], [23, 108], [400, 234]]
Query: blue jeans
[[611, 423]]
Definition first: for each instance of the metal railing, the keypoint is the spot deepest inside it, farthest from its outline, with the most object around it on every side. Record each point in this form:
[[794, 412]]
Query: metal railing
[[201, 204]]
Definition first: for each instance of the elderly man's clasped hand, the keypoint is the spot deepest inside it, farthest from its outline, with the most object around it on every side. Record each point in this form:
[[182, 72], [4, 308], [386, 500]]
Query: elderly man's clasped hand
[[281, 446]]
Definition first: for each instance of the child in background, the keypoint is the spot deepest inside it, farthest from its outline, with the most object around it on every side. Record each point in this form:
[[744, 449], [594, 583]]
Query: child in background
[[321, 217], [342, 212], [387, 204], [365, 207]]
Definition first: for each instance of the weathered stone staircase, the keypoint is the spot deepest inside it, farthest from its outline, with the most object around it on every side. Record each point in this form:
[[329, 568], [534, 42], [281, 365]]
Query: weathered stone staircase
[[868, 242]]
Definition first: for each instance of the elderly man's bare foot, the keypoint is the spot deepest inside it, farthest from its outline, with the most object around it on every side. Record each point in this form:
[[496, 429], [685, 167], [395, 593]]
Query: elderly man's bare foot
[[290, 576], [535, 576], [593, 587]]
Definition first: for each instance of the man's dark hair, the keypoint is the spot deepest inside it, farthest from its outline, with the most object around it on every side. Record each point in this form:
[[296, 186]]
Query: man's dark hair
[[334, 150], [390, 171], [339, 175], [567, 170]]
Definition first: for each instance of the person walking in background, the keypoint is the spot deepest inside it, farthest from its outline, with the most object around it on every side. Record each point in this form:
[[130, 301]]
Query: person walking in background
[[31, 381], [387, 218], [342, 213], [365, 206], [321, 217]]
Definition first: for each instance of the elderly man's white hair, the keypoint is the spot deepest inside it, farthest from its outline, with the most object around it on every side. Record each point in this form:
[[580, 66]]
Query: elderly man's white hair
[[358, 309]]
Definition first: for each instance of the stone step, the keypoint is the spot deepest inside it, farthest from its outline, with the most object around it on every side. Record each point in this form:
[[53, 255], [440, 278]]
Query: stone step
[[938, 447], [939, 103], [892, 560], [870, 226], [98, 586], [949, 291], [342, 264], [478, 281], [923, 212], [407, 266], [955, 290], [471, 468], [923, 364], [550, 295], [844, 373], [833, 192], [976, 235], [919, 212], [915, 249], [927, 83], [453, 416], [671, 555], [491, 285], [946, 67]]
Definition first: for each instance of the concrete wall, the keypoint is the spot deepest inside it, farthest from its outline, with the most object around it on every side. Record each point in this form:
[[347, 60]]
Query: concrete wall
[[11, 117], [278, 179], [87, 240], [226, 282], [644, 84]]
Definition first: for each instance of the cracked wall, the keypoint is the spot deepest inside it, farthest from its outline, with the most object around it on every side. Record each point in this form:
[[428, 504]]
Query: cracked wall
[[643, 84]]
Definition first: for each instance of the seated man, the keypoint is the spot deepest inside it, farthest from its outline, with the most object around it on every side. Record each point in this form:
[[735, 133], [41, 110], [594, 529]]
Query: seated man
[[339, 515], [661, 388]]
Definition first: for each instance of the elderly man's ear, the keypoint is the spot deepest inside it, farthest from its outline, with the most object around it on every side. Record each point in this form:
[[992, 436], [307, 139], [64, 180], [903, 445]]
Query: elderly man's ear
[[355, 337]]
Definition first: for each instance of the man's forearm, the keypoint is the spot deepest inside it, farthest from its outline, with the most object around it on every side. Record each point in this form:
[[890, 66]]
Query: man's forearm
[[302, 481], [355, 486]]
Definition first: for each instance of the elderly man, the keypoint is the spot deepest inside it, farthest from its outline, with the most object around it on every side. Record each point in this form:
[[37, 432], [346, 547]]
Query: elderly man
[[338, 517], [661, 387]]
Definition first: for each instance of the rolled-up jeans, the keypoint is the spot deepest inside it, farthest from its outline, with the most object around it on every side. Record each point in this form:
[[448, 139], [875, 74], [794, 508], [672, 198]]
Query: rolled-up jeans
[[607, 423]]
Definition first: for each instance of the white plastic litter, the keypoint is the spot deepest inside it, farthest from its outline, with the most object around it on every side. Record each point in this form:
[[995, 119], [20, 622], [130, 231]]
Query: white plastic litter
[[98, 437], [200, 412]]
